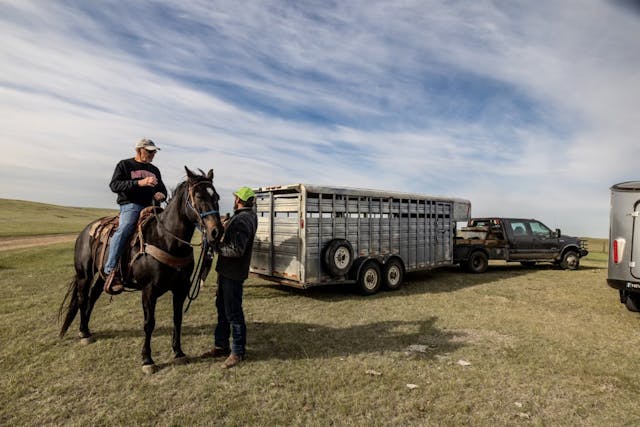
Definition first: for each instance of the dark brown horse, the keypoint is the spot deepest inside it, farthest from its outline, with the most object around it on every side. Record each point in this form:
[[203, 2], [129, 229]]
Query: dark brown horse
[[194, 203]]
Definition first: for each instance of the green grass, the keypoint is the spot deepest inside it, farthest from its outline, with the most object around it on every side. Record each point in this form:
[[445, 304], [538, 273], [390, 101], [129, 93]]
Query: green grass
[[546, 347], [20, 218]]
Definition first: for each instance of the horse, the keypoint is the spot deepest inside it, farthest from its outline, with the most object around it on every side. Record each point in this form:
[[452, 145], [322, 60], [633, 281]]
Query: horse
[[194, 204]]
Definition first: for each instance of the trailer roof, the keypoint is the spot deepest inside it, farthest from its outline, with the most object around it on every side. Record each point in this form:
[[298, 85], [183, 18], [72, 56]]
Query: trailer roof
[[627, 186], [356, 192]]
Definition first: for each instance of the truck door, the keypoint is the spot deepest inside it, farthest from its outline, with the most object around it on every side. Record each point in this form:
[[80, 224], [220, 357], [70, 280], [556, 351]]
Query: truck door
[[544, 241], [520, 240]]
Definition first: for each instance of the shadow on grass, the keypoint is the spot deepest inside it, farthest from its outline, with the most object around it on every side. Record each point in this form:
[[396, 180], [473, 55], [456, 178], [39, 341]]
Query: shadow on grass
[[439, 280], [292, 341], [307, 341], [445, 279]]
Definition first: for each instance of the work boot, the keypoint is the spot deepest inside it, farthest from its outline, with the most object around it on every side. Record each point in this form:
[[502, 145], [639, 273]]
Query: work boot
[[215, 352], [113, 284], [232, 360]]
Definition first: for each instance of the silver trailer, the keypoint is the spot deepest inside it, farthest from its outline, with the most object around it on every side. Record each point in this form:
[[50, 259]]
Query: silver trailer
[[624, 235], [312, 235]]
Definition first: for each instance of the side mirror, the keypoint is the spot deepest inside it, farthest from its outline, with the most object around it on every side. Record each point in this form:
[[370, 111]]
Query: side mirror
[[558, 233]]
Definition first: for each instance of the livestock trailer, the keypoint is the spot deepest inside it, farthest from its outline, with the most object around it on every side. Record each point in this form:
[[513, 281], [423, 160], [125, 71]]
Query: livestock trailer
[[310, 235], [624, 233]]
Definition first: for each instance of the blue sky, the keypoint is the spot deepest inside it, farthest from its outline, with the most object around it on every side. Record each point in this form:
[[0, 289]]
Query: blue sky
[[525, 108]]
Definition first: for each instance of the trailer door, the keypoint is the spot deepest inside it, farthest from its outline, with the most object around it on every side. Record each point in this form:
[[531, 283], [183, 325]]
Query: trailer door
[[286, 238]]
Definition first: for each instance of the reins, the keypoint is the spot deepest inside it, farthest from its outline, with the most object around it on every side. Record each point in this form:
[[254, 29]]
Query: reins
[[197, 278], [199, 275]]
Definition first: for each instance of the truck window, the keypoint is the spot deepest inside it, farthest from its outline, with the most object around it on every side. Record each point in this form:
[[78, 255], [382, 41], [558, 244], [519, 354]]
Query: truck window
[[518, 229], [539, 229]]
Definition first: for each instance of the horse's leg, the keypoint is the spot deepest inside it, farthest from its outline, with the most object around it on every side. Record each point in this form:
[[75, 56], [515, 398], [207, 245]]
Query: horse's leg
[[92, 294], [179, 295], [149, 300], [85, 305]]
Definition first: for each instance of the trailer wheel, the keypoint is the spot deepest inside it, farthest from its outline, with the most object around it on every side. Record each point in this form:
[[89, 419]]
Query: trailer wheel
[[478, 262], [570, 261], [338, 257], [632, 302], [393, 274], [370, 279]]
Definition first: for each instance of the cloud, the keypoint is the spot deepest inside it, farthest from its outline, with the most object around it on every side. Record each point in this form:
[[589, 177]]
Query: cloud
[[529, 110]]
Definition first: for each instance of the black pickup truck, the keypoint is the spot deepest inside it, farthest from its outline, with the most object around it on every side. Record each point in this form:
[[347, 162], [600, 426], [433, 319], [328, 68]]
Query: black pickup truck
[[527, 241]]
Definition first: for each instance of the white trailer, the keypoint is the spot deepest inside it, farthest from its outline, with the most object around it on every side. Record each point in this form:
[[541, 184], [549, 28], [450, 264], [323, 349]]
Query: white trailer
[[311, 235], [624, 243]]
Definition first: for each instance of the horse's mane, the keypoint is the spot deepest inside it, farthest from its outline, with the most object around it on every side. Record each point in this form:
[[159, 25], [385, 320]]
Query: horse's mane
[[177, 191]]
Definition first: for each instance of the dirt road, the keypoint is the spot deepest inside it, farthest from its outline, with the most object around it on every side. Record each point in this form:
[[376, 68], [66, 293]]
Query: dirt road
[[7, 243]]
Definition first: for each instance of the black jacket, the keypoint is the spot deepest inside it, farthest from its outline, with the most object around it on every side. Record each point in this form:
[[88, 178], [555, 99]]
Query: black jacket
[[124, 179], [234, 252]]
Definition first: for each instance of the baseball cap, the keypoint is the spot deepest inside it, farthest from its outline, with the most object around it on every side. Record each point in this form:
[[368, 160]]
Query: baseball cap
[[245, 193], [147, 144]]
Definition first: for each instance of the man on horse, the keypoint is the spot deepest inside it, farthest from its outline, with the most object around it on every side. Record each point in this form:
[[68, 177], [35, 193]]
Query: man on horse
[[138, 183], [234, 257]]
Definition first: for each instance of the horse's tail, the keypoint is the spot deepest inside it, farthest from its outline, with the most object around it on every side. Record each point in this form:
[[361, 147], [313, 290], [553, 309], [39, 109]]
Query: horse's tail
[[71, 307]]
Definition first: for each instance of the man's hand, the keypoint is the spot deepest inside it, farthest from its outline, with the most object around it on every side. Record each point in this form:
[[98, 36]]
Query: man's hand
[[158, 196], [149, 181]]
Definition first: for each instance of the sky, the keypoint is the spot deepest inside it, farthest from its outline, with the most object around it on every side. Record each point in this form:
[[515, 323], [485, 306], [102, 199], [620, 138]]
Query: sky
[[527, 109]]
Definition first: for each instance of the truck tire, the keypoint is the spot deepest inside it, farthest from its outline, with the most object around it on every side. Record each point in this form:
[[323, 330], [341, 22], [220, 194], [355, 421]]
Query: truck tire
[[477, 262], [338, 257], [393, 274], [369, 279], [570, 261]]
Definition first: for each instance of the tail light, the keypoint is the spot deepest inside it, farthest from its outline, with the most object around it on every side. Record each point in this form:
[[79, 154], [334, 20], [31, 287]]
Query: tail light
[[618, 250]]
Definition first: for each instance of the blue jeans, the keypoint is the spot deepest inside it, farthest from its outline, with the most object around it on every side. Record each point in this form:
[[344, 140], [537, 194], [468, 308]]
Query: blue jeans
[[230, 316], [129, 214]]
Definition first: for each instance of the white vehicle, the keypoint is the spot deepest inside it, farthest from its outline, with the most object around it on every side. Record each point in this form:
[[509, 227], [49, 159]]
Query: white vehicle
[[312, 235]]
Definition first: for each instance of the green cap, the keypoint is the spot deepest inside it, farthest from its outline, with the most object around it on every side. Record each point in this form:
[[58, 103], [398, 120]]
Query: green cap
[[245, 193]]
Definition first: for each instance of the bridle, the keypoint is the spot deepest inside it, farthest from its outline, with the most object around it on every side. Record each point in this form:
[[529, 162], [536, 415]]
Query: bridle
[[190, 205]]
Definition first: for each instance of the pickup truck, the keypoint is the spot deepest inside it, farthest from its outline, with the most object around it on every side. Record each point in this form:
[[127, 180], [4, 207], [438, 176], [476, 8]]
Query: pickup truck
[[527, 241]]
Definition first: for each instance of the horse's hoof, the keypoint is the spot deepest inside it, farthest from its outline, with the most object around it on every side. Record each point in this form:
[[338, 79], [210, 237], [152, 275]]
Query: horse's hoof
[[182, 360], [87, 340], [149, 369]]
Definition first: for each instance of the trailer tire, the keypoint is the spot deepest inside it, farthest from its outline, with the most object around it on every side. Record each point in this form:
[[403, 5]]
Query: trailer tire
[[477, 262], [393, 274], [369, 278], [632, 302], [338, 257], [570, 261]]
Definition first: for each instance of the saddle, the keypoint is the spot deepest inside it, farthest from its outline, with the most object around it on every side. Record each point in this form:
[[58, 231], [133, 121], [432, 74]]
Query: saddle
[[102, 231], [105, 227]]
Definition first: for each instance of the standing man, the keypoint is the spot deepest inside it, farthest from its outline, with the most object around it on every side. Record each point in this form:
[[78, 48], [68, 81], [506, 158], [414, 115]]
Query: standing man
[[137, 183], [234, 257]]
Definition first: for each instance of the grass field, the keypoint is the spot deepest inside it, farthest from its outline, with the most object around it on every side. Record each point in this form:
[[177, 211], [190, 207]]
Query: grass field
[[20, 218], [514, 346]]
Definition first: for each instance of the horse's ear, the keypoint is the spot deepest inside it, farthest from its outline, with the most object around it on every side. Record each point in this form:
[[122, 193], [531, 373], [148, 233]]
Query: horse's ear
[[210, 175], [190, 174]]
